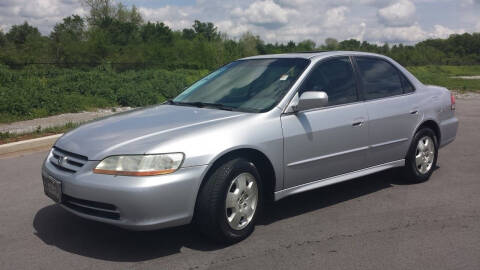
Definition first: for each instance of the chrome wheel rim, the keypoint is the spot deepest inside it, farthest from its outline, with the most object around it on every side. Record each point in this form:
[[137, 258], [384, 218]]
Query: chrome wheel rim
[[424, 155], [241, 201]]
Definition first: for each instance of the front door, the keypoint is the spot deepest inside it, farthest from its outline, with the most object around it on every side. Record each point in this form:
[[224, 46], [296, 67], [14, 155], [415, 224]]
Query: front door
[[328, 141]]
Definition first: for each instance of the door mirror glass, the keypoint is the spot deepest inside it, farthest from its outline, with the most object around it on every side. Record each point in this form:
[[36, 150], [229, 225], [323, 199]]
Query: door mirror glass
[[311, 100]]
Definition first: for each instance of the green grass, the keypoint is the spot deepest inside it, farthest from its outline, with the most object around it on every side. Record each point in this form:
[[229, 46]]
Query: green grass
[[34, 92], [442, 76]]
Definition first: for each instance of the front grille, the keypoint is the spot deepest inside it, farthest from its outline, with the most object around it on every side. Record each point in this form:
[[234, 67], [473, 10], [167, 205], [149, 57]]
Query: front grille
[[67, 161], [92, 208]]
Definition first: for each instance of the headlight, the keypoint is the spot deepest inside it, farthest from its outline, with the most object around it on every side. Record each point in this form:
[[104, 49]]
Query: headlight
[[140, 165]]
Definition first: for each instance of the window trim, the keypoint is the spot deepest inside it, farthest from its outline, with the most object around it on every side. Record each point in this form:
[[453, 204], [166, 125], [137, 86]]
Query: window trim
[[322, 61], [399, 73]]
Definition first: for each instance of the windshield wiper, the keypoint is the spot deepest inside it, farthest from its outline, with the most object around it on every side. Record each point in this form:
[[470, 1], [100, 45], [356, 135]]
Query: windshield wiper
[[203, 105]]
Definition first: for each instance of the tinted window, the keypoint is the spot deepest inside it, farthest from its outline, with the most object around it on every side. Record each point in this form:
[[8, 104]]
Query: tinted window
[[380, 79], [336, 78]]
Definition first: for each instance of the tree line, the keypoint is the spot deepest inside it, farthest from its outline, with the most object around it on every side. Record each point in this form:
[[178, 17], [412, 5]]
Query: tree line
[[118, 35]]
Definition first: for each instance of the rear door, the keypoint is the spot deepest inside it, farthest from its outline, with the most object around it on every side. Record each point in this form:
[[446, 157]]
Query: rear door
[[328, 141], [391, 113]]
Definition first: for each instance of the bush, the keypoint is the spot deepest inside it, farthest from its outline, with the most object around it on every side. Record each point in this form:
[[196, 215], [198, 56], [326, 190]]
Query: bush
[[38, 91]]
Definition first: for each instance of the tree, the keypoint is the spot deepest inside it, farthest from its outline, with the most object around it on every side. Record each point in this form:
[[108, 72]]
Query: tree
[[248, 44], [3, 39], [306, 45], [67, 39], [72, 28], [331, 44], [132, 15], [120, 33], [349, 45], [19, 34], [291, 46], [156, 32], [99, 10], [206, 29], [385, 48], [188, 33]]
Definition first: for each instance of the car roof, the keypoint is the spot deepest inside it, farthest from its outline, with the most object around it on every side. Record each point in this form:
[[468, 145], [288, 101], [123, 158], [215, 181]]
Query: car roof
[[318, 55], [311, 54]]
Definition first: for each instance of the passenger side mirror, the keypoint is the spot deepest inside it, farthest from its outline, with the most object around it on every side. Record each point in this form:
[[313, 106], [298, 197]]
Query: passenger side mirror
[[311, 100]]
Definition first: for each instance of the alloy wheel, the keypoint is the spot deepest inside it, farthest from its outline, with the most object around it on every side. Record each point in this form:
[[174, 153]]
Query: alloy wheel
[[241, 201]]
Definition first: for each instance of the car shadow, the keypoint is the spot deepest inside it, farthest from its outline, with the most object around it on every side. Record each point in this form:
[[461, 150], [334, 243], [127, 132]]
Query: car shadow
[[57, 227], [323, 197]]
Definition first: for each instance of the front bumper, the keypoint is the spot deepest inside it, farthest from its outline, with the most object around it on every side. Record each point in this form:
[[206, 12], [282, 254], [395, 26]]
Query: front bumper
[[139, 203]]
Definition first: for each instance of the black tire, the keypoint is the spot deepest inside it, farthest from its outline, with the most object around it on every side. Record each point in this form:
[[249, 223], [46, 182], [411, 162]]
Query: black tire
[[210, 213], [411, 173]]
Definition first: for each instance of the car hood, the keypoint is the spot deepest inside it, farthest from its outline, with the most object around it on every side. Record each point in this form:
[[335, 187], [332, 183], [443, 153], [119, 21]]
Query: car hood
[[123, 133]]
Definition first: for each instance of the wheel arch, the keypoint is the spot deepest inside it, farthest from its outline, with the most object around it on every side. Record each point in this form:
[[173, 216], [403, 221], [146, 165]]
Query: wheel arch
[[260, 160], [433, 126]]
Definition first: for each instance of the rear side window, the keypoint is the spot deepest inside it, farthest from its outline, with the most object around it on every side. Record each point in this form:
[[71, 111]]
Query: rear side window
[[336, 78], [380, 79]]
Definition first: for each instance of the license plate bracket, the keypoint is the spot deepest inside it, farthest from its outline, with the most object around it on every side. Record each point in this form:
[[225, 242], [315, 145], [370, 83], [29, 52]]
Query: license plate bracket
[[52, 188]]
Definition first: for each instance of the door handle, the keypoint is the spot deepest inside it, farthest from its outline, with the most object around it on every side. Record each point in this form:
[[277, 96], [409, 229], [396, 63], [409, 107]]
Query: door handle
[[414, 112], [357, 124]]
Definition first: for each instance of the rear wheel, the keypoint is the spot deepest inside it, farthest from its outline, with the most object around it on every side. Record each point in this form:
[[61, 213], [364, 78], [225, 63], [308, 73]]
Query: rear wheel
[[230, 201], [422, 156]]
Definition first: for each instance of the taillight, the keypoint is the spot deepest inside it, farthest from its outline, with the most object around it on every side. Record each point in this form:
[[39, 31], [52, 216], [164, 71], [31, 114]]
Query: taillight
[[452, 101]]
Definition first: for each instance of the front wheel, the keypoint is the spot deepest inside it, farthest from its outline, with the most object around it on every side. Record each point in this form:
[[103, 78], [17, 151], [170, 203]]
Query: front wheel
[[230, 201], [422, 156]]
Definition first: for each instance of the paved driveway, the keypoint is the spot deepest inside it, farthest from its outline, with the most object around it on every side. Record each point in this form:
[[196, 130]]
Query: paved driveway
[[375, 222]]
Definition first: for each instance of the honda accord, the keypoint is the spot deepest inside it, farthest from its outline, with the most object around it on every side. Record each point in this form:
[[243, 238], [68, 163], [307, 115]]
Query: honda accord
[[258, 129]]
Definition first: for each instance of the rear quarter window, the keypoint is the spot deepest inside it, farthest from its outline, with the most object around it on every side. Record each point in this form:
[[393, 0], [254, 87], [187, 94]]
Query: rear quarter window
[[407, 85]]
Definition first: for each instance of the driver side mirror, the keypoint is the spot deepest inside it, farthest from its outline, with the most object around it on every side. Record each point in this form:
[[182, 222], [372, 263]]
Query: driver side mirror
[[311, 100]]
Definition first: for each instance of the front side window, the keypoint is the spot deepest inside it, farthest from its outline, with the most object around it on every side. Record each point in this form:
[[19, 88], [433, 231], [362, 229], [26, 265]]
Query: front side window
[[380, 79], [336, 78], [255, 85]]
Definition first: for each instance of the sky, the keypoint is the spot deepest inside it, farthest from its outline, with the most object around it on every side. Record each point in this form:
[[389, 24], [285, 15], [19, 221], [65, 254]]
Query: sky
[[376, 21]]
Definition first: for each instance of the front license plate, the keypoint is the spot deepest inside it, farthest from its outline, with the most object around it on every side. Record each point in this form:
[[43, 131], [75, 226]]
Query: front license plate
[[52, 188]]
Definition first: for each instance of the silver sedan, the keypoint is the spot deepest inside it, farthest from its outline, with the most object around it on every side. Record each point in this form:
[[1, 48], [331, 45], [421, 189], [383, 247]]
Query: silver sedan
[[257, 129]]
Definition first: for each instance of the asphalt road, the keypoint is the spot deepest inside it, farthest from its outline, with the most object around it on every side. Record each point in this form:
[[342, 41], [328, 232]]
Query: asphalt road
[[375, 222]]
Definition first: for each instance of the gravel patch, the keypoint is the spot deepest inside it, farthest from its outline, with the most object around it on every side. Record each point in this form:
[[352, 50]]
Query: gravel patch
[[467, 95], [58, 120], [467, 77]]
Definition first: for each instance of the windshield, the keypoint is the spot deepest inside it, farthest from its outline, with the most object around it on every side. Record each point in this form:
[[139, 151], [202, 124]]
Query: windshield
[[255, 85]]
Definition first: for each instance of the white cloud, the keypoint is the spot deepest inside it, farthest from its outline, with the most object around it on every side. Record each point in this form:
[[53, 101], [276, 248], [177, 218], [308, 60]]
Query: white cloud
[[406, 21], [408, 34], [264, 13], [401, 13], [174, 17], [411, 34], [441, 31], [335, 16], [361, 34], [43, 14], [231, 28]]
